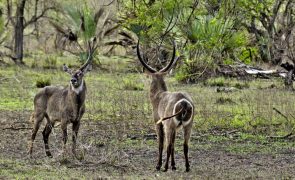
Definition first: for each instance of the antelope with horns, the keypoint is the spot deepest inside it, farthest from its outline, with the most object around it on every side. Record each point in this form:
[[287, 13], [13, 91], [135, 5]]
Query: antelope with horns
[[63, 104], [171, 111]]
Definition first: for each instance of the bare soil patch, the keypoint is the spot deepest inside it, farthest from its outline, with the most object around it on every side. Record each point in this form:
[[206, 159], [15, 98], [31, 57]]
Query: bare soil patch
[[119, 149]]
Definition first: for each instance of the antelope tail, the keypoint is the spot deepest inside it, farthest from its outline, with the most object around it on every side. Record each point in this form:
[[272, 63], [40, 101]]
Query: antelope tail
[[168, 117]]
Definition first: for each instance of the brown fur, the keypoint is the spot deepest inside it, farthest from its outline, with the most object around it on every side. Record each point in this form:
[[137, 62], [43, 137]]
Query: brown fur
[[166, 104], [63, 104], [163, 103], [58, 104]]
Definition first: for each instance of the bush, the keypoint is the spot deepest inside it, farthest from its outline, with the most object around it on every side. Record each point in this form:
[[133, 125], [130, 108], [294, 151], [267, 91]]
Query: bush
[[192, 71], [42, 82], [213, 41]]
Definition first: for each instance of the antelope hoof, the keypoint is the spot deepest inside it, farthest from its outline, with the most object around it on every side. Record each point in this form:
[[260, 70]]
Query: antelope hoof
[[158, 167], [187, 169], [173, 168], [165, 169]]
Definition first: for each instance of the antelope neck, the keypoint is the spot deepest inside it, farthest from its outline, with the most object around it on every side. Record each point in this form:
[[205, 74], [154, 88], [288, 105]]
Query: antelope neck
[[79, 89]]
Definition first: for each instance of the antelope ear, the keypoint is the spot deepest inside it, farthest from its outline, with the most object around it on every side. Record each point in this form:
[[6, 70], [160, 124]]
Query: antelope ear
[[67, 69]]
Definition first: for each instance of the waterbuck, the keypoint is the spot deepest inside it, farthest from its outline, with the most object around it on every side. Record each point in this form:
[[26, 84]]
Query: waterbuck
[[171, 111], [61, 104]]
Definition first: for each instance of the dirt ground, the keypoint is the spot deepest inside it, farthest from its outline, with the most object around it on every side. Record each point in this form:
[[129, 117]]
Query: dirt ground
[[108, 151]]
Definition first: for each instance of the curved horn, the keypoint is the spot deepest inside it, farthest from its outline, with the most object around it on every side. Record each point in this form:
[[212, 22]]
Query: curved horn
[[90, 54], [150, 69], [166, 68], [88, 61]]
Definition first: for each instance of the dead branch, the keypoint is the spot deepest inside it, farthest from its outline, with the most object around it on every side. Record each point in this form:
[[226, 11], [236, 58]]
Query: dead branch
[[41, 15], [289, 135], [282, 137], [280, 113], [109, 3], [9, 14]]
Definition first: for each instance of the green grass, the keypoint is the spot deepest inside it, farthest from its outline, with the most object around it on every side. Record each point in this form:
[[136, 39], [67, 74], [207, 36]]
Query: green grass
[[125, 95], [31, 169], [21, 170], [240, 143], [118, 100]]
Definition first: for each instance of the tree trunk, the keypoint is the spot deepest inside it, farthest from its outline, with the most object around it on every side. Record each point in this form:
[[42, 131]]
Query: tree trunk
[[289, 80], [19, 32]]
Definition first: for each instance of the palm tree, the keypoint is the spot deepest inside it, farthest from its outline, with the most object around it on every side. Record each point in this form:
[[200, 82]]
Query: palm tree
[[80, 24]]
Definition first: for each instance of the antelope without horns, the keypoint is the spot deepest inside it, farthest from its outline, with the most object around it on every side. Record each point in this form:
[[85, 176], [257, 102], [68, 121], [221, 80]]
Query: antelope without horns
[[62, 104], [171, 111]]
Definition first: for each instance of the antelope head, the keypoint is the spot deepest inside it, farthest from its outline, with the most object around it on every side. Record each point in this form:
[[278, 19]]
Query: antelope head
[[158, 83], [77, 75]]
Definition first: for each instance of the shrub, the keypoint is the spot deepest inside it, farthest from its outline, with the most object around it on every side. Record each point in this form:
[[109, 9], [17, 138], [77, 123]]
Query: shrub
[[42, 82], [213, 41], [194, 70]]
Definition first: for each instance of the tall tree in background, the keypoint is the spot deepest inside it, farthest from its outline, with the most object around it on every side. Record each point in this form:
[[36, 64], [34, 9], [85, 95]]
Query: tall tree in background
[[268, 21], [2, 36], [19, 31], [20, 23]]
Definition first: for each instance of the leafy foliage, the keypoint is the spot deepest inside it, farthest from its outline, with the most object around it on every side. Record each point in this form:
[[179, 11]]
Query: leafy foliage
[[82, 21], [42, 82], [85, 23], [212, 40], [208, 33]]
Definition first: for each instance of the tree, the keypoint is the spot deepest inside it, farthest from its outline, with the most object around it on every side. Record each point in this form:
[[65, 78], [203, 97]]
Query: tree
[[287, 45], [79, 24], [2, 37], [22, 19], [265, 20], [207, 32]]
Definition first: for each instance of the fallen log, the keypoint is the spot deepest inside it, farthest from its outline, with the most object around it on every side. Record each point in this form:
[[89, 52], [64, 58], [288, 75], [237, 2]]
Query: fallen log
[[242, 70]]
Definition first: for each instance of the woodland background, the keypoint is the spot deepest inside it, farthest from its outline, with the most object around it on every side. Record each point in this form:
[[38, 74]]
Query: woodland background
[[244, 122]]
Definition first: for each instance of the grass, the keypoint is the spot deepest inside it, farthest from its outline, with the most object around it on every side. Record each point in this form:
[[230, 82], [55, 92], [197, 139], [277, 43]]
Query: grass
[[117, 95], [132, 83], [118, 106]]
